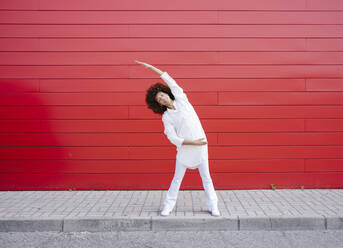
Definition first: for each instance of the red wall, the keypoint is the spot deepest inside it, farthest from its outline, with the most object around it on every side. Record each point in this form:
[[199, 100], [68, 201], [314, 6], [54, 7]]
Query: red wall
[[265, 78]]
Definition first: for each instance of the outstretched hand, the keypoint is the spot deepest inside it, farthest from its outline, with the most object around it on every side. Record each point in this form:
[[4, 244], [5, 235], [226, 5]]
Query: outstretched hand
[[144, 64]]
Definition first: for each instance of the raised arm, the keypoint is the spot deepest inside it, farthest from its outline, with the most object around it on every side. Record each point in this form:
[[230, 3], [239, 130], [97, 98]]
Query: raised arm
[[174, 87], [150, 67]]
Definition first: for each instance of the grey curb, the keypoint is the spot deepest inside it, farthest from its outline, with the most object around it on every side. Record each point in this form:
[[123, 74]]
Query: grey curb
[[194, 223], [107, 224], [294, 223], [31, 225], [334, 222], [160, 223]]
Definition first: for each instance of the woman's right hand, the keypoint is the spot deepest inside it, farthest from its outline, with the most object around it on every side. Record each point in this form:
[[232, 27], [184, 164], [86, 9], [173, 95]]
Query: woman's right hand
[[199, 142]]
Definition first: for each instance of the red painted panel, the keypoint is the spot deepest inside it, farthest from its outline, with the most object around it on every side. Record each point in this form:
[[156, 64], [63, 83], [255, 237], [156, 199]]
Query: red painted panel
[[265, 78], [280, 180], [228, 31], [72, 139], [8, 126], [19, 4], [175, 5], [17, 44], [245, 152], [328, 5], [141, 30], [166, 152], [257, 166], [158, 44], [199, 85], [324, 125], [90, 139], [144, 166], [159, 166], [64, 31], [271, 152], [170, 17], [331, 84], [60, 152], [187, 58], [325, 44], [162, 181], [246, 125], [329, 165], [113, 17], [64, 112], [280, 98], [12, 85], [275, 139], [118, 98], [256, 112], [281, 17], [105, 126]]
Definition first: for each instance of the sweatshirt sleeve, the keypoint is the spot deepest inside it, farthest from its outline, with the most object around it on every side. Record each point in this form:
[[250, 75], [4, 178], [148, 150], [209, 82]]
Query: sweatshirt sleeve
[[174, 87], [169, 131]]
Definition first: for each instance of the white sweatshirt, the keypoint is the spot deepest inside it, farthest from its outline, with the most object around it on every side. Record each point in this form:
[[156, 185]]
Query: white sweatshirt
[[183, 123]]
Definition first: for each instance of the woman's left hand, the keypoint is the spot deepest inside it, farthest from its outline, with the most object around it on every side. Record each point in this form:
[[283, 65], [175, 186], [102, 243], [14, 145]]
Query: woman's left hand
[[144, 64]]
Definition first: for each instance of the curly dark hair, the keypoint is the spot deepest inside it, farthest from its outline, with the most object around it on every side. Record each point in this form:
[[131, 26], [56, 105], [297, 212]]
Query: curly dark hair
[[151, 94]]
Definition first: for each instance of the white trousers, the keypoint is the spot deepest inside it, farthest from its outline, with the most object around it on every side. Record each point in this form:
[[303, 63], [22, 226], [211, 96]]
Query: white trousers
[[180, 169]]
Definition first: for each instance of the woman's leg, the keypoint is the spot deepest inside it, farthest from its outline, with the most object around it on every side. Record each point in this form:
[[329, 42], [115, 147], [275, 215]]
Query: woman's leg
[[173, 191], [211, 196]]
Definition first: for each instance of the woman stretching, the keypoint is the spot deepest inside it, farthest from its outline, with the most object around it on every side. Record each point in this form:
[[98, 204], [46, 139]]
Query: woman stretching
[[183, 129]]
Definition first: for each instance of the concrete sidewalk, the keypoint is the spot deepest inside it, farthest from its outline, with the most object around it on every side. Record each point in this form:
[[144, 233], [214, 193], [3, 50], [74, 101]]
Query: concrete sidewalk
[[97, 211]]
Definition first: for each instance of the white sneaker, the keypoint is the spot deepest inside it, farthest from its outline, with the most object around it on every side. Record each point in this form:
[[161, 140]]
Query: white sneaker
[[165, 212], [215, 212]]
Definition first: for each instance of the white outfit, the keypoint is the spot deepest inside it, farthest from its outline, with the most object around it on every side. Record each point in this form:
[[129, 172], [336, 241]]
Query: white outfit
[[180, 169], [183, 123]]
